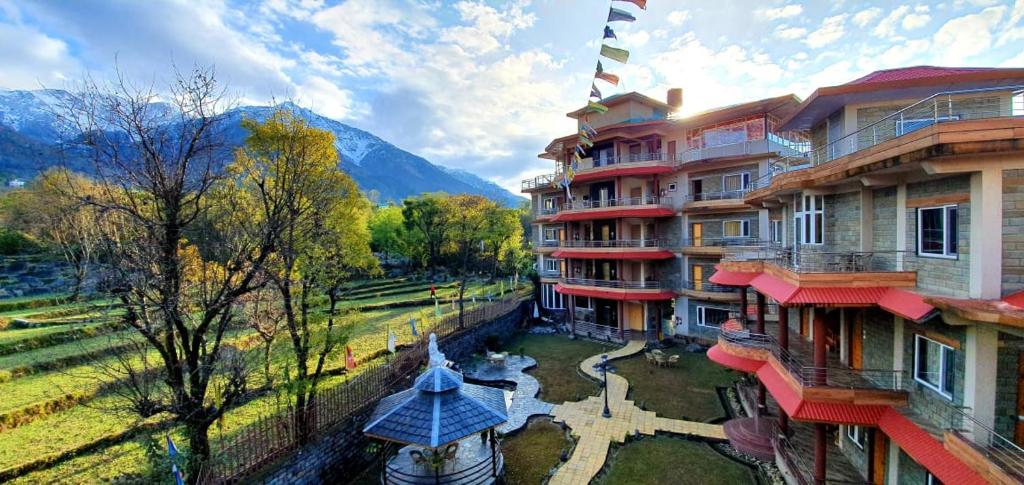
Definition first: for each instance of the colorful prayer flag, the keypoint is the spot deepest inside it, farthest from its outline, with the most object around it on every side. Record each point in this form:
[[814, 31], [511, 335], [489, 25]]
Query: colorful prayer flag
[[616, 15], [604, 76], [593, 107], [350, 359], [594, 92], [609, 33], [589, 129], [412, 323], [621, 55], [639, 3], [580, 151], [172, 452], [586, 142]]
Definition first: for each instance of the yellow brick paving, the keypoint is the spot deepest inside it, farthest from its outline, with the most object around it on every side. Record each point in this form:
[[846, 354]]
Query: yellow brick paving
[[595, 433]]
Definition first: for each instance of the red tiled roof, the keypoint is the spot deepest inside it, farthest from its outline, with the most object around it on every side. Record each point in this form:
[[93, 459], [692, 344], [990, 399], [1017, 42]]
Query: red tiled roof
[[925, 449], [731, 278], [1015, 299], [906, 304], [820, 412], [576, 253], [721, 357], [914, 72]]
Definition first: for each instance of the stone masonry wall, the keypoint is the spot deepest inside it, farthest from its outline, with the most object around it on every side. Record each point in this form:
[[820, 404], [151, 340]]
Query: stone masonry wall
[[1006, 383], [711, 181], [923, 399], [713, 228], [1013, 231], [842, 221], [948, 276], [342, 453], [878, 336], [910, 472], [883, 225]]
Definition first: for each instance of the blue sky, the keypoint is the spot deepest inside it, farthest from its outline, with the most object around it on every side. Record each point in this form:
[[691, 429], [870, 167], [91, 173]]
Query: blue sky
[[484, 85]]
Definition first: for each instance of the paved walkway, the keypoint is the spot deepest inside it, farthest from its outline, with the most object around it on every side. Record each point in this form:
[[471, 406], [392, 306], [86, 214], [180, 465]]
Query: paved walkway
[[596, 433], [524, 400]]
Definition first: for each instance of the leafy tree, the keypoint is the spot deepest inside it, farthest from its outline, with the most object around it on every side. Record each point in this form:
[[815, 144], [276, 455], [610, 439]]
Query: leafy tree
[[467, 217], [288, 164], [503, 240], [426, 219], [388, 235]]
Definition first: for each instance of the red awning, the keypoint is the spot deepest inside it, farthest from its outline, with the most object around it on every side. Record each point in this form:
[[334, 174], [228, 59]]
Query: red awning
[[925, 449], [725, 359], [774, 287], [576, 253], [906, 304], [731, 278]]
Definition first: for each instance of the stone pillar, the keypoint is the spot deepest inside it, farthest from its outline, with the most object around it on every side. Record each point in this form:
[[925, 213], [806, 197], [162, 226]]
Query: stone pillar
[[820, 356], [820, 453]]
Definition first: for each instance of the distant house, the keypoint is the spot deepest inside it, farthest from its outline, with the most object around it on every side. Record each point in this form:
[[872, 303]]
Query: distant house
[[16, 183]]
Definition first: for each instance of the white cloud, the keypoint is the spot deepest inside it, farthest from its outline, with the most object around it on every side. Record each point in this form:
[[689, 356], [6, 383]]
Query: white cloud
[[783, 12], [32, 59], [964, 37], [326, 98], [1016, 61], [919, 18], [635, 39], [864, 17], [832, 28], [677, 17], [887, 27], [786, 32]]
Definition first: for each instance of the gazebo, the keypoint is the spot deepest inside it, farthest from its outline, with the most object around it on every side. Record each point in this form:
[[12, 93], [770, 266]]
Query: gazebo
[[445, 428]]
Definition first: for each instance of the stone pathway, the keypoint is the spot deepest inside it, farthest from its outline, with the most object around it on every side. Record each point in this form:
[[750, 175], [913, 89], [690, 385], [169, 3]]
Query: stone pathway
[[596, 433], [524, 400]]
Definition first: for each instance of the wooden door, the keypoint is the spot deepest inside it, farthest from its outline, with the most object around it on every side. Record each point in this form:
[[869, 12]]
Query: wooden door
[[879, 454], [697, 233], [635, 315], [634, 232], [636, 193], [805, 322], [1018, 432], [856, 339], [697, 277]]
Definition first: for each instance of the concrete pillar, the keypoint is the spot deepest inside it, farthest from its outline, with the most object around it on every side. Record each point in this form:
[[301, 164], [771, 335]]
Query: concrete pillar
[[897, 343], [820, 453], [986, 251], [901, 224], [980, 351], [762, 225], [893, 463], [844, 356], [867, 219]]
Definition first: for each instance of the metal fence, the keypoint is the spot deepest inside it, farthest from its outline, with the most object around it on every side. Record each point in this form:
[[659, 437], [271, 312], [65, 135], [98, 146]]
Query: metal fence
[[619, 284], [811, 259], [617, 243], [619, 202], [272, 437]]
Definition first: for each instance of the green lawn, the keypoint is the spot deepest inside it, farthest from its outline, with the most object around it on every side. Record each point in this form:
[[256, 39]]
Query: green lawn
[[662, 460], [558, 359], [532, 452], [684, 391]]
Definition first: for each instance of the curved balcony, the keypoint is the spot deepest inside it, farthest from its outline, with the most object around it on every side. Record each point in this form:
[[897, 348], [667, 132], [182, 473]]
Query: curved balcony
[[615, 289], [644, 249], [548, 181], [650, 206]]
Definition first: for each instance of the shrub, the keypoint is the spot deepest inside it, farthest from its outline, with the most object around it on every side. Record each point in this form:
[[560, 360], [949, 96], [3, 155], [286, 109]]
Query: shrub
[[16, 242]]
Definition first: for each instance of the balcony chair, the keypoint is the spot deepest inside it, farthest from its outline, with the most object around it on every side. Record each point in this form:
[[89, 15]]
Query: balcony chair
[[672, 360]]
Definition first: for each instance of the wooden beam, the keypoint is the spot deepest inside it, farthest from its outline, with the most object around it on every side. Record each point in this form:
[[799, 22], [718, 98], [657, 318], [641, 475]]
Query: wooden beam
[[939, 200]]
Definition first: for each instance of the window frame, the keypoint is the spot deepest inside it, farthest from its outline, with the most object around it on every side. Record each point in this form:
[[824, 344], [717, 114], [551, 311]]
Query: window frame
[[557, 263], [776, 234], [702, 316], [810, 225], [744, 228], [918, 338], [544, 233], [744, 181], [946, 228], [856, 435], [550, 298], [671, 186]]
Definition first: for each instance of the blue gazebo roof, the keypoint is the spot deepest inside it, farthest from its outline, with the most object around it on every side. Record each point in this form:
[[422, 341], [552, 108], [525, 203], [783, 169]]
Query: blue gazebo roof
[[439, 409]]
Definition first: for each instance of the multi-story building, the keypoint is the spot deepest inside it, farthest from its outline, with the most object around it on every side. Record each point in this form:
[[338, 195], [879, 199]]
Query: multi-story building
[[870, 282]]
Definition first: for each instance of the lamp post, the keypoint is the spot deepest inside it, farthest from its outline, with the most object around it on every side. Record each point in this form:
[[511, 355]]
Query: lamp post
[[604, 373]]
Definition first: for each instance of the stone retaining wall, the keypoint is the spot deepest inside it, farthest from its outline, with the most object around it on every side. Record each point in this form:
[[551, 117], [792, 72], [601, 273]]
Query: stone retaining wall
[[341, 454]]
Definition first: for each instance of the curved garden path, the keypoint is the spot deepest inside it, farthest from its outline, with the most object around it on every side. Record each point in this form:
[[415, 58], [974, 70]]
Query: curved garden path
[[596, 433], [524, 400]]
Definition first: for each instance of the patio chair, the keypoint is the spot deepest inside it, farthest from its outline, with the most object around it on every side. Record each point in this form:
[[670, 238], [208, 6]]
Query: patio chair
[[673, 360], [417, 458], [451, 452], [660, 359], [650, 358]]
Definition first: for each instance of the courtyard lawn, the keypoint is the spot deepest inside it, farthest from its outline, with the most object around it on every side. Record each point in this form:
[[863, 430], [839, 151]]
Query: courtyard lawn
[[532, 452], [684, 391], [663, 460], [558, 359]]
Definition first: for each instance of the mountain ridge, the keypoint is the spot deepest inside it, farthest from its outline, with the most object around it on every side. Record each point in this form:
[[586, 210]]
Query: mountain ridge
[[29, 133]]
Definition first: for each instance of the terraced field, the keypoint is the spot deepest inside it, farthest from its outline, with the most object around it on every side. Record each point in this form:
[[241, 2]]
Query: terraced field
[[59, 419]]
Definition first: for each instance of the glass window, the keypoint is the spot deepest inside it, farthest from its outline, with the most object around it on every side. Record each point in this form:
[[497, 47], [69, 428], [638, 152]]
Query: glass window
[[711, 317], [934, 365], [550, 298], [736, 228], [937, 234], [809, 219], [776, 231], [735, 182], [552, 264], [857, 435]]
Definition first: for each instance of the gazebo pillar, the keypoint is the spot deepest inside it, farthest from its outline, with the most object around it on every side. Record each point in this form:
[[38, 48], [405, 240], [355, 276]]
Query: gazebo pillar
[[494, 455]]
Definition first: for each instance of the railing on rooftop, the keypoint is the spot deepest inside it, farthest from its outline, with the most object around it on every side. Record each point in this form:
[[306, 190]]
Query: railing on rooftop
[[620, 202], [774, 143], [617, 284], [618, 243], [541, 181], [810, 259], [942, 107], [813, 376]]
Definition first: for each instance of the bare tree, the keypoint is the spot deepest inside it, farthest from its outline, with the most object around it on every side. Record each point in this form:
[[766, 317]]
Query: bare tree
[[177, 266], [263, 312]]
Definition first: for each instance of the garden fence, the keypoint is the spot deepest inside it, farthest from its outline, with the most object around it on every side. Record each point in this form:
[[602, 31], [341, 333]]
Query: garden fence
[[272, 437]]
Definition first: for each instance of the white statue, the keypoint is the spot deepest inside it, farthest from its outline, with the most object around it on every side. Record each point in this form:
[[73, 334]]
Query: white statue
[[437, 358]]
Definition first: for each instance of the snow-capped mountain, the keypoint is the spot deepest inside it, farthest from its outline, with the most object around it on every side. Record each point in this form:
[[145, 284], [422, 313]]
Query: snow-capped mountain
[[29, 132]]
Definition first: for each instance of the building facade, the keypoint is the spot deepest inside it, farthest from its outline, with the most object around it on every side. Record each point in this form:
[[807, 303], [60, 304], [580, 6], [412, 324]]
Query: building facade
[[859, 253]]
